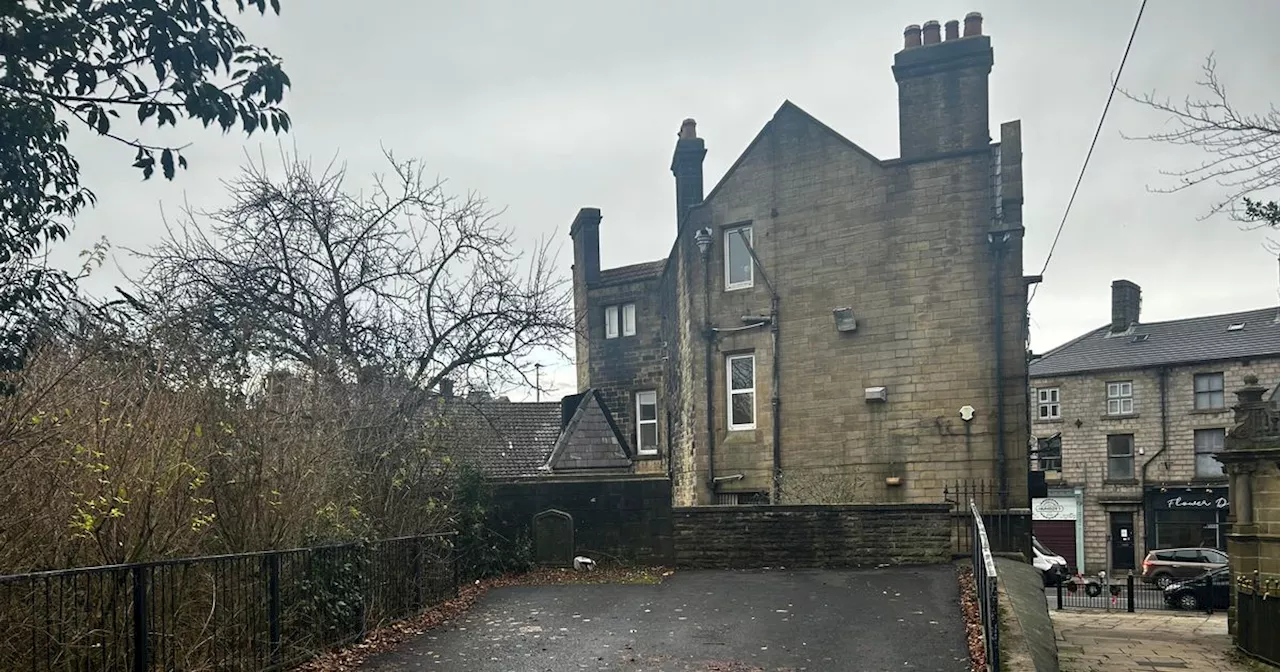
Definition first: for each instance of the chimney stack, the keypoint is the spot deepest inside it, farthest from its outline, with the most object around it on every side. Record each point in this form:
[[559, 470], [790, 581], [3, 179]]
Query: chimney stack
[[585, 232], [1126, 305], [686, 165], [942, 88]]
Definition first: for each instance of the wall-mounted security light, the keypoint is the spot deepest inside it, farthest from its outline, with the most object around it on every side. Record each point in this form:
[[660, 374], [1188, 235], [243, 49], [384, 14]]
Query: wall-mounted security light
[[703, 240], [966, 413], [845, 320], [879, 393]]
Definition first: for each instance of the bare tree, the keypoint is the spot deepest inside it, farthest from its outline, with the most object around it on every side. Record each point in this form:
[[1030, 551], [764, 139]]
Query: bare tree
[[1244, 147], [403, 285]]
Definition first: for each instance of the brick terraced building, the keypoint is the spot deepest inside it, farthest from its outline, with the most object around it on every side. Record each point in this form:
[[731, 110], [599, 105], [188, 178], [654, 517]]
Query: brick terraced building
[[829, 326], [1128, 421]]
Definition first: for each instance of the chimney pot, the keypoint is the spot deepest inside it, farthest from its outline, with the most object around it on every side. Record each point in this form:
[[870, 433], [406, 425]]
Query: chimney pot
[[911, 36], [688, 129], [972, 24], [952, 29], [932, 33]]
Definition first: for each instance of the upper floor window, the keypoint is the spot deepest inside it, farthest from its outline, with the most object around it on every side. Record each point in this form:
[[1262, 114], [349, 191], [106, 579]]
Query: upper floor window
[[620, 320], [647, 422], [1209, 391], [1120, 398], [1047, 404], [739, 271], [1120, 457], [1209, 442], [740, 372], [1049, 453]]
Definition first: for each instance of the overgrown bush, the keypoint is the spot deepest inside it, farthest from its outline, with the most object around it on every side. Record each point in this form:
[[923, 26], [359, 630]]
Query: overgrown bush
[[483, 551]]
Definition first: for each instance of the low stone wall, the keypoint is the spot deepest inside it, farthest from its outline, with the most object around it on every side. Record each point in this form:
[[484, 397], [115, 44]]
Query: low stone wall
[[811, 536], [620, 520]]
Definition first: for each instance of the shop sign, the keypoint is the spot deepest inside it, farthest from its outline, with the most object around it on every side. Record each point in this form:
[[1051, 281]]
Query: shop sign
[[1200, 499], [1053, 508]]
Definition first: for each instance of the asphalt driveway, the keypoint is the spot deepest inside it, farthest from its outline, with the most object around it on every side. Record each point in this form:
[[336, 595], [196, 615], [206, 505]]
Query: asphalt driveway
[[708, 621]]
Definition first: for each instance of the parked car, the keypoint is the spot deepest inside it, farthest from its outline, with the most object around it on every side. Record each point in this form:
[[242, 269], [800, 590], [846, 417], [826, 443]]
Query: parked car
[[1169, 565], [1213, 587], [1050, 564]]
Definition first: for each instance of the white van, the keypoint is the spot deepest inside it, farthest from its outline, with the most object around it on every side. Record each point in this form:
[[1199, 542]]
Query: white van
[[1050, 564]]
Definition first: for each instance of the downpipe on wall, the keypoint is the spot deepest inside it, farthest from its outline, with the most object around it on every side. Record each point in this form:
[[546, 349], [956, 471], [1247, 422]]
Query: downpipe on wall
[[1163, 374], [998, 240], [775, 398]]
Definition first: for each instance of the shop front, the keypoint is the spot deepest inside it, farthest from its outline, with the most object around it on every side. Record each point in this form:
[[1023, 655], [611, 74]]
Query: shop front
[[1055, 522], [1186, 516]]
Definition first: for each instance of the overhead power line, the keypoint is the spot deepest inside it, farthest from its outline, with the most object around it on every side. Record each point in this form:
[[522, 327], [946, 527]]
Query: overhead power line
[[1101, 120]]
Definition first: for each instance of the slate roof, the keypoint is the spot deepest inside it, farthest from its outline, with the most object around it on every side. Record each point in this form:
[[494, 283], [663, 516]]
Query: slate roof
[[1196, 339], [632, 273], [504, 439], [590, 439]]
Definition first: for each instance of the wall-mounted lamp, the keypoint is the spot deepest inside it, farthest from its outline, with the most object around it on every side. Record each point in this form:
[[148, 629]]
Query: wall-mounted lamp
[[703, 239], [845, 321]]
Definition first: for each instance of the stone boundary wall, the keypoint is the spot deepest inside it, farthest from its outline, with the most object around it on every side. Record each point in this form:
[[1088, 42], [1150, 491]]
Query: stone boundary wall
[[740, 537]]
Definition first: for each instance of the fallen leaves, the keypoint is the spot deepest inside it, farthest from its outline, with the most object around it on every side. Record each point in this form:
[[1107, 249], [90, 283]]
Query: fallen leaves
[[388, 637], [972, 620]]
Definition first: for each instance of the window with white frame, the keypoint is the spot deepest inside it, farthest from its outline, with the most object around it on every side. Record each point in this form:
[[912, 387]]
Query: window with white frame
[[628, 319], [739, 271], [740, 371], [1209, 391], [647, 422], [611, 322], [1209, 442], [1048, 404], [1120, 398], [620, 320]]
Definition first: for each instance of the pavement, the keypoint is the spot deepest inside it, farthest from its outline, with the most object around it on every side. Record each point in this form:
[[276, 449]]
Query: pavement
[[1090, 641], [901, 618]]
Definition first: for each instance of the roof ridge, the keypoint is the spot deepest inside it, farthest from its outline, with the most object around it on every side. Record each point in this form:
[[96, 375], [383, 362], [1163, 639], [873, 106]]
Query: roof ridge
[[1215, 316]]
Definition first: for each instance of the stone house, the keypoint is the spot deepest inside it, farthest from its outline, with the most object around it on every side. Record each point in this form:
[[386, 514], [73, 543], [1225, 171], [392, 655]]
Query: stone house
[[1128, 419], [829, 326]]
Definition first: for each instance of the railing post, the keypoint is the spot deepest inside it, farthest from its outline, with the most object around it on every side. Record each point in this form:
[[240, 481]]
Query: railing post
[[420, 549], [1129, 587], [141, 653], [273, 605], [1060, 595]]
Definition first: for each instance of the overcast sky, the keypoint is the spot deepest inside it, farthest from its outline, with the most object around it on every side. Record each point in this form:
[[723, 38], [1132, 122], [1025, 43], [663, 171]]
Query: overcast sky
[[550, 106]]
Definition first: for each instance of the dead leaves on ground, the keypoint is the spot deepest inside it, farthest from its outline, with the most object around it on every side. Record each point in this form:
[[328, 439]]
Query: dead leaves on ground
[[386, 638], [972, 620]]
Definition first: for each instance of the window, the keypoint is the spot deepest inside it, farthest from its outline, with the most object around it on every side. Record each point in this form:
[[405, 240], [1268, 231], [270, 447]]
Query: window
[[739, 271], [1120, 398], [741, 373], [1047, 401], [624, 314], [1049, 453], [647, 422], [629, 319], [1209, 391], [1120, 457], [1209, 442], [611, 322]]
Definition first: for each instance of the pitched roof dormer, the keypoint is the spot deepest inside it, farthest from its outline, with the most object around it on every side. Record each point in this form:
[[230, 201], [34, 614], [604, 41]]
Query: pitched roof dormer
[[589, 439]]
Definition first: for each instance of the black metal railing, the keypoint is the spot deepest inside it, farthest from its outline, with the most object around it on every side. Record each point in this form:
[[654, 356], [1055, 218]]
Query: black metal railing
[[1008, 530], [987, 588], [1129, 593], [246, 611], [1257, 618]]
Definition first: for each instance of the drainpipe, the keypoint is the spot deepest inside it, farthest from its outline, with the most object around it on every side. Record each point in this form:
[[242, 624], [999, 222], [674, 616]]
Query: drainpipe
[[997, 240], [775, 399], [1163, 373], [703, 240]]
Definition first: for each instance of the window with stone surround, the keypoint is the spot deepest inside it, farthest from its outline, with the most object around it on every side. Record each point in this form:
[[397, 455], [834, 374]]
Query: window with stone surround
[[1120, 397], [1209, 392], [647, 422], [1047, 404], [1049, 453], [740, 372], [1209, 442], [1120, 457], [620, 320], [739, 271]]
